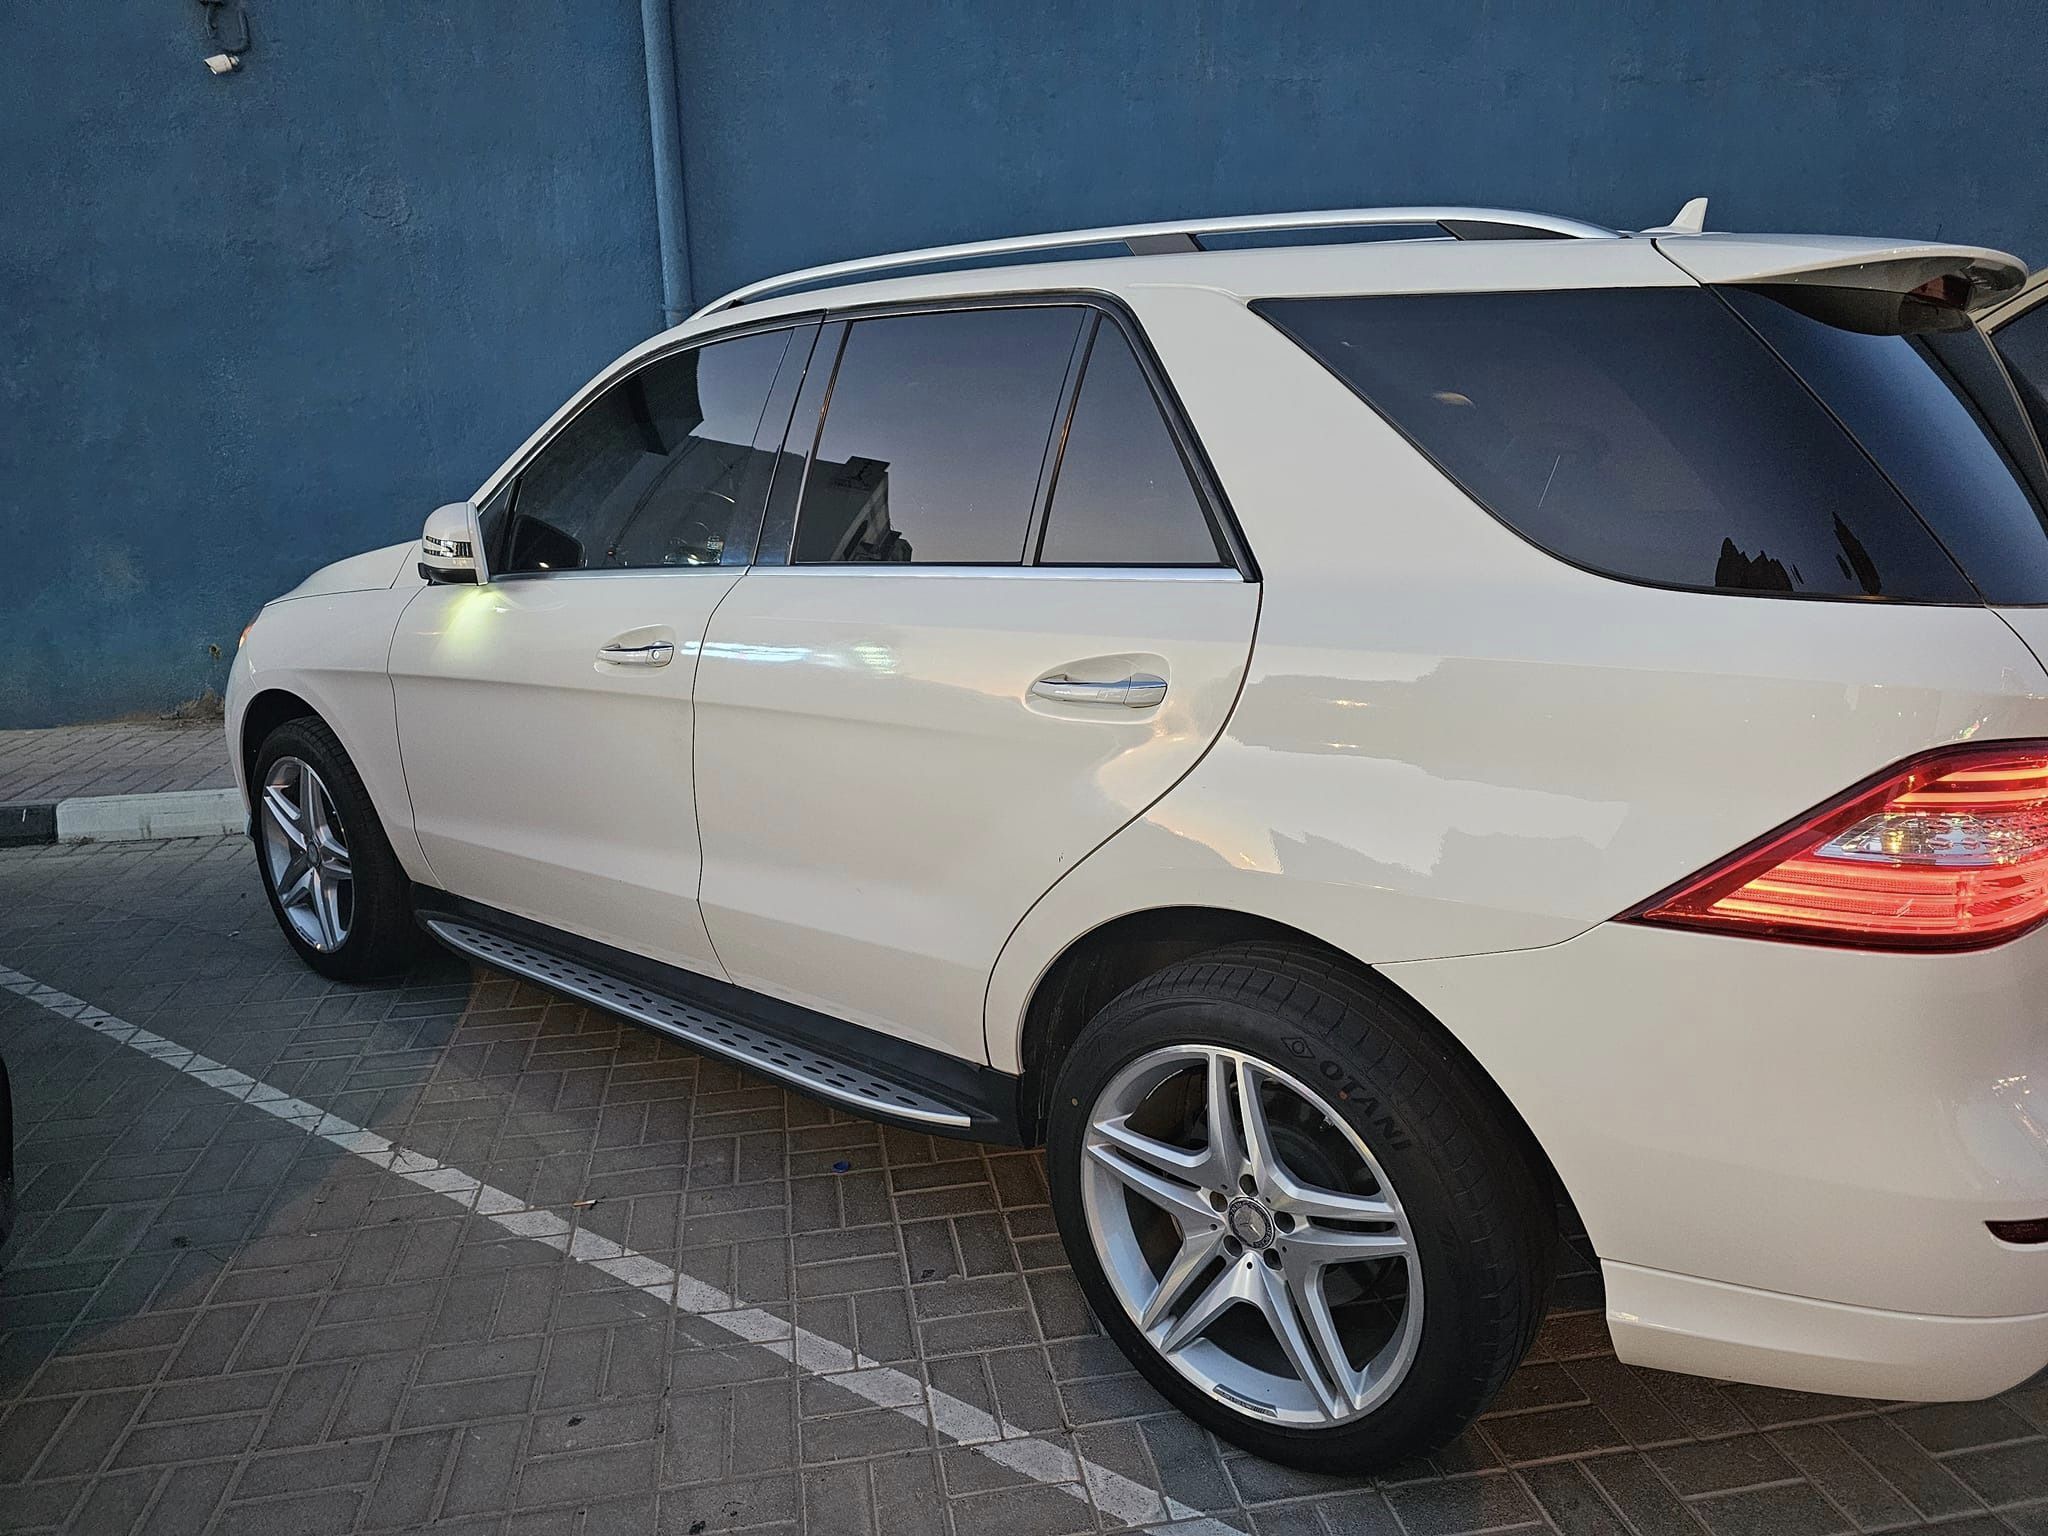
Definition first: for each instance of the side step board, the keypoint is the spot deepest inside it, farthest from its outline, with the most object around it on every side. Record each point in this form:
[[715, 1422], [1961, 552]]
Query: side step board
[[826, 1077]]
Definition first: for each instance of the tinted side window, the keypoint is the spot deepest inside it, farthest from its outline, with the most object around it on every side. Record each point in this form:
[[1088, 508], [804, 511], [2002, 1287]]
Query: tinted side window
[[1929, 404], [1123, 495], [2023, 343], [1645, 433], [660, 470], [935, 435]]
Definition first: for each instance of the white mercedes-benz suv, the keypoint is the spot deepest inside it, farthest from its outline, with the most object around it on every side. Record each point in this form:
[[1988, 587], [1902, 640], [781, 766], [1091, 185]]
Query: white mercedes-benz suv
[[1349, 745]]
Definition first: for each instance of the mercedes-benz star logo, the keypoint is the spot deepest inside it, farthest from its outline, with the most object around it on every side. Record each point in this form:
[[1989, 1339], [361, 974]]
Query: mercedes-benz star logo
[[1249, 1223]]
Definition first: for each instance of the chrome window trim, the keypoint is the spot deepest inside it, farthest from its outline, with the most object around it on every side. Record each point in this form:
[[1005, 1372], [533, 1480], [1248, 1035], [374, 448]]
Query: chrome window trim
[[841, 569], [626, 570]]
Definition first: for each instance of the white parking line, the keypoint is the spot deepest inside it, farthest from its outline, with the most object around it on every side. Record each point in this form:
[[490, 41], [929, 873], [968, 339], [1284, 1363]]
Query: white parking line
[[1119, 1497]]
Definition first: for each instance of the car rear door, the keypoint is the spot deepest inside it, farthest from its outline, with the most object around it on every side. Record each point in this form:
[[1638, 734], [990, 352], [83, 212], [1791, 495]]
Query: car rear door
[[1009, 613], [544, 717]]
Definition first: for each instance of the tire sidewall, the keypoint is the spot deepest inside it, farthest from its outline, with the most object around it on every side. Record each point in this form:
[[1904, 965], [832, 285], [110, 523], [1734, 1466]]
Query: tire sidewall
[[1431, 1401]]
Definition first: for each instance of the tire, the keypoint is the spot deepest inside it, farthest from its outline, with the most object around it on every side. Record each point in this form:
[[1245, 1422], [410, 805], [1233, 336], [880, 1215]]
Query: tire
[[376, 931], [1394, 1120]]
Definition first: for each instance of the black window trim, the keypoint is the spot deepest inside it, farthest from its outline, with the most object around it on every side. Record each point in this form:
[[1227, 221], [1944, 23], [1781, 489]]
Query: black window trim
[[1208, 488], [506, 484], [772, 436], [1056, 436], [1258, 306]]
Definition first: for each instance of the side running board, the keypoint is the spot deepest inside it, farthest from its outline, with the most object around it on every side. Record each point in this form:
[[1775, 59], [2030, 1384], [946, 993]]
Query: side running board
[[801, 1067]]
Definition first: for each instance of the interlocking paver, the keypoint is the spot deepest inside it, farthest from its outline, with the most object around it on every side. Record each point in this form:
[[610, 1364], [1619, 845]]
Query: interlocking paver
[[122, 757], [211, 1321], [1645, 1501], [1571, 1502]]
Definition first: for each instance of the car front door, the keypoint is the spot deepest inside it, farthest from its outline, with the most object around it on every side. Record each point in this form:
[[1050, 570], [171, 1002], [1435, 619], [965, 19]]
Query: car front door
[[1012, 615], [544, 717]]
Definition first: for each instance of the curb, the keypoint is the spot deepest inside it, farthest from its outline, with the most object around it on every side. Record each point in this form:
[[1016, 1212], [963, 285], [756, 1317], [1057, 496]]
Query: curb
[[124, 818]]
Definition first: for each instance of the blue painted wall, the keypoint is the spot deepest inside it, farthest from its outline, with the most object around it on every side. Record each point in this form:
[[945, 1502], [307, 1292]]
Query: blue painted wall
[[251, 324], [256, 323], [822, 130]]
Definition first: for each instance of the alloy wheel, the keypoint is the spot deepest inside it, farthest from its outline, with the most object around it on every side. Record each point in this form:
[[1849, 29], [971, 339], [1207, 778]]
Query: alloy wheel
[[1251, 1235], [306, 855]]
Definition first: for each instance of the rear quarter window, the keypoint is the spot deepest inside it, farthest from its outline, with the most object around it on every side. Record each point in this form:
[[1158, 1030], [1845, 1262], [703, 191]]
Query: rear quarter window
[[1647, 434], [1122, 494]]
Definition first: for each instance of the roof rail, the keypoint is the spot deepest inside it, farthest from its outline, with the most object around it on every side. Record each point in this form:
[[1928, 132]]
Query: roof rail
[[1176, 235]]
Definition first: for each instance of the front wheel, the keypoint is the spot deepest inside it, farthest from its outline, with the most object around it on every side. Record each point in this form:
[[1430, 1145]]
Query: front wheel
[[334, 884], [1295, 1210]]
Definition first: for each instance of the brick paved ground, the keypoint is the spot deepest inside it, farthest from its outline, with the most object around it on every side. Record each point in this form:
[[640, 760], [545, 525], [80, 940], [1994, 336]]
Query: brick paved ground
[[211, 1320], [124, 758]]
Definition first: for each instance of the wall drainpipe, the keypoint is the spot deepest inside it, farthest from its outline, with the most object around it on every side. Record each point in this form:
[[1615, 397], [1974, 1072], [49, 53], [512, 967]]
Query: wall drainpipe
[[657, 30]]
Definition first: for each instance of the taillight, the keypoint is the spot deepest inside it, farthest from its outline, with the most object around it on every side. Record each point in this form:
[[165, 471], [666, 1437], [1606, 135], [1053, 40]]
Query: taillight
[[1946, 851]]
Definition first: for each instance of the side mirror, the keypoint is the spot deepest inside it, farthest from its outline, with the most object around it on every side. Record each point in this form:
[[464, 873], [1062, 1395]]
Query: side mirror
[[448, 545]]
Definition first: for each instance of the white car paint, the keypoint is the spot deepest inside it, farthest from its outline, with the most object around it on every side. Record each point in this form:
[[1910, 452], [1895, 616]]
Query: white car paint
[[1781, 1121], [1446, 753], [881, 796], [371, 571], [331, 651], [1839, 260], [1485, 747], [545, 780]]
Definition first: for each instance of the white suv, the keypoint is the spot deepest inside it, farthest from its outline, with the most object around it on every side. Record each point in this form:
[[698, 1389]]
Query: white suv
[[1349, 745]]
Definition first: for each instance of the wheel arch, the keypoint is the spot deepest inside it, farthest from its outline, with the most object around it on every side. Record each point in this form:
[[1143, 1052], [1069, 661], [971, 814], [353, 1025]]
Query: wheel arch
[[1122, 951], [264, 713], [367, 736]]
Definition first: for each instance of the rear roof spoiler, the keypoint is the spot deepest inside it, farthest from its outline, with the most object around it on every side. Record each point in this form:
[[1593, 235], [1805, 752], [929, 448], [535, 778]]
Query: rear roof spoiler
[[1841, 262]]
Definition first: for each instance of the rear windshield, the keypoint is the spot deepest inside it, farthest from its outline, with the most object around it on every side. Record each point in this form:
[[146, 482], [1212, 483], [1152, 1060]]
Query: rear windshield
[[1922, 393], [1656, 435]]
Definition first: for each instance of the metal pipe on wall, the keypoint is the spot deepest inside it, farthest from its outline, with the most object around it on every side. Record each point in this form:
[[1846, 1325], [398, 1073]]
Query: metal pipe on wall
[[657, 30]]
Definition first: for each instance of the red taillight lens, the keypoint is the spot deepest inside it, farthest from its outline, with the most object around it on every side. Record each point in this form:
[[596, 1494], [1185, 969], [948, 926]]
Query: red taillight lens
[[1948, 851]]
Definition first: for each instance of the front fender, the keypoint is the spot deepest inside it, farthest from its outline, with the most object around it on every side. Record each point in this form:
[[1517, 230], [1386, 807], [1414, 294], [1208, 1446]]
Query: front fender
[[332, 651]]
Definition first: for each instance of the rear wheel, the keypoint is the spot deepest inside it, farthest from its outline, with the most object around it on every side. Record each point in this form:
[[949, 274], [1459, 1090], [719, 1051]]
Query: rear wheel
[[1300, 1216], [333, 882]]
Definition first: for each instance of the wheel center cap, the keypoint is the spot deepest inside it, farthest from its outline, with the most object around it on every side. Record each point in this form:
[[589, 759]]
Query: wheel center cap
[[1250, 1223]]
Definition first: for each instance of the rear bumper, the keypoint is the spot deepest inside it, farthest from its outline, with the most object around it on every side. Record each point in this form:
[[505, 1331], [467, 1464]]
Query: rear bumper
[[1785, 1155], [1705, 1328]]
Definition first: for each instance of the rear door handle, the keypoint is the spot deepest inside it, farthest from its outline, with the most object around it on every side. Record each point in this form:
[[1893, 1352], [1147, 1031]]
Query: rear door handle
[[1140, 690], [659, 654]]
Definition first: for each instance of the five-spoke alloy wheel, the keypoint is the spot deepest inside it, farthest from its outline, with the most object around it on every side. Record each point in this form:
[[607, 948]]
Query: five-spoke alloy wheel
[[339, 894], [1309, 1221], [1251, 1234], [305, 852]]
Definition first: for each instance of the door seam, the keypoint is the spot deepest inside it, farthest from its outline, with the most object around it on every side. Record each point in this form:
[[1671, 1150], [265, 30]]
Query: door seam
[[412, 815], [696, 800], [1243, 680]]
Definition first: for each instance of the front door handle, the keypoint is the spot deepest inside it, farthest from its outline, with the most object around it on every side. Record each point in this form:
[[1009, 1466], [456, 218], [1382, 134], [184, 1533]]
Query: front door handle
[[659, 654], [1138, 691]]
